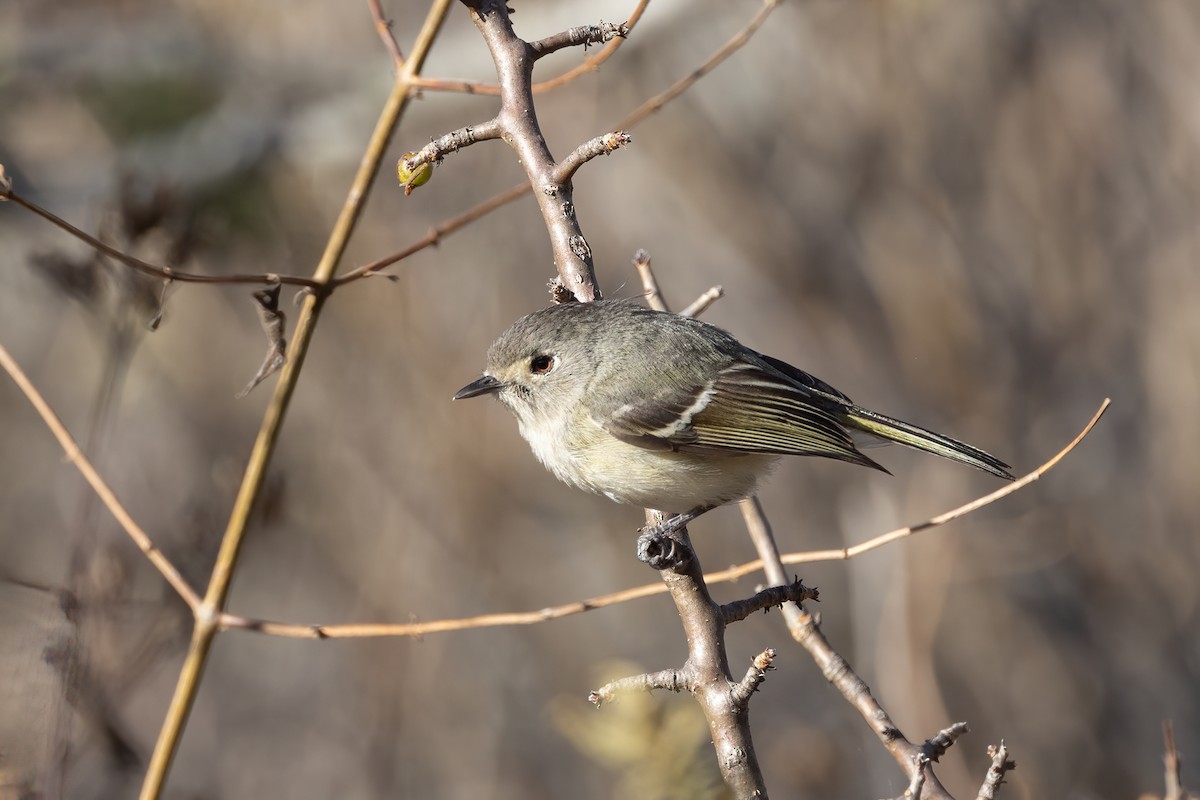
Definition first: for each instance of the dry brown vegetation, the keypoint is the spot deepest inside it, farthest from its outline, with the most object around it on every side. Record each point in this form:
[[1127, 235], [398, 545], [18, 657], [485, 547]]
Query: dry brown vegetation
[[980, 216]]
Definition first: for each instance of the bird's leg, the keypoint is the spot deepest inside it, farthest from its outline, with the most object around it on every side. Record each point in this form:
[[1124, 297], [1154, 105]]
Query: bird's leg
[[660, 547]]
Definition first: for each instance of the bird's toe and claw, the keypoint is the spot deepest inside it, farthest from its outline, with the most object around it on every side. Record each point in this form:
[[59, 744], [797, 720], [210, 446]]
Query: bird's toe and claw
[[665, 545]]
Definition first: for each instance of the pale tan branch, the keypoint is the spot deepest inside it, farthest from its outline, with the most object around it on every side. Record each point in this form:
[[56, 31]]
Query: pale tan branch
[[383, 26], [416, 629], [520, 190], [735, 43], [995, 774], [591, 64], [166, 273], [701, 303], [140, 538]]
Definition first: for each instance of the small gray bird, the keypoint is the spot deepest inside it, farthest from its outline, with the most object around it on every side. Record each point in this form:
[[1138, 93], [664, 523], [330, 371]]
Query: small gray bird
[[667, 412]]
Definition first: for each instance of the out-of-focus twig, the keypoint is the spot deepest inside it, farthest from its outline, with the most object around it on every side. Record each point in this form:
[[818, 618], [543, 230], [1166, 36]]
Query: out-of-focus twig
[[591, 64], [599, 146], [164, 566], [805, 627], [316, 631], [166, 273], [701, 303], [1173, 776], [654, 296], [383, 26], [207, 614], [995, 774], [520, 190], [737, 42], [579, 36]]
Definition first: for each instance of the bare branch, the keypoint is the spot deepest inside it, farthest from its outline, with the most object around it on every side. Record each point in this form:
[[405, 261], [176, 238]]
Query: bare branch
[[754, 677], [416, 629], [768, 598], [140, 538], [934, 748], [518, 121], [583, 35], [1173, 774], [207, 614], [439, 148], [917, 784], [383, 26], [600, 146], [166, 273], [521, 189], [701, 303], [995, 774], [704, 626], [654, 298], [591, 64], [735, 43], [435, 234], [673, 680]]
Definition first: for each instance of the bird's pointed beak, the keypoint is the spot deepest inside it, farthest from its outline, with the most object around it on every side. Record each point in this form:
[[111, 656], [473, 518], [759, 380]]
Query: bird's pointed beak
[[485, 385]]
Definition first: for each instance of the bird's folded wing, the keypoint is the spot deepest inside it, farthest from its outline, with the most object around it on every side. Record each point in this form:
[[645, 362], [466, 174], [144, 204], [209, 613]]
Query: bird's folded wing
[[745, 409]]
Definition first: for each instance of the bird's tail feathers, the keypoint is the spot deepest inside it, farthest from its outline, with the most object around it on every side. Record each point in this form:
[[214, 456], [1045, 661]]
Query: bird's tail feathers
[[905, 433]]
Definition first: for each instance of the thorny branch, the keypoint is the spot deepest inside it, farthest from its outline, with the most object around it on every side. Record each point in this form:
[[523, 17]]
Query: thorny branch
[[995, 774], [706, 671], [453, 224], [591, 64], [517, 124]]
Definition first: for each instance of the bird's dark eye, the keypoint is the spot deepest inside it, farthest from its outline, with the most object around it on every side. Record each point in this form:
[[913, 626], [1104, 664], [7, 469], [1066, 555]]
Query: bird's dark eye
[[541, 364]]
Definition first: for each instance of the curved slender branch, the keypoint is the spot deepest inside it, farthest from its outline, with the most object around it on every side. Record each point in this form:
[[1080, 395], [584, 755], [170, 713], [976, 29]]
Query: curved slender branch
[[208, 613], [591, 64], [583, 35], [417, 629], [599, 146], [383, 26], [75, 455], [166, 273]]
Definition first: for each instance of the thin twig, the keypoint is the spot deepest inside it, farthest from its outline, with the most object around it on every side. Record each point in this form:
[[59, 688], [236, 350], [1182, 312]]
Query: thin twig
[[701, 303], [995, 774], [518, 121], [599, 146], [591, 64], [383, 26], [765, 600], [102, 490], [753, 678], [208, 613], [166, 273], [520, 190], [435, 235], [583, 35], [417, 629], [936, 746], [735, 43], [654, 297], [439, 148], [1173, 773], [672, 680]]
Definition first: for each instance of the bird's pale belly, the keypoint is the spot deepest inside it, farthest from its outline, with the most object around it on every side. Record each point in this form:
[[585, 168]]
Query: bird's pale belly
[[661, 479]]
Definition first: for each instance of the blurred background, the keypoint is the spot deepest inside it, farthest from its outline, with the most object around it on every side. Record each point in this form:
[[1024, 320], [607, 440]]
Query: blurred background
[[979, 215]]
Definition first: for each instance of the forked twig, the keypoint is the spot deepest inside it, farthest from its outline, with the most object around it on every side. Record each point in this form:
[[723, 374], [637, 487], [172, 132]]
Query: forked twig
[[591, 64]]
